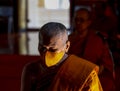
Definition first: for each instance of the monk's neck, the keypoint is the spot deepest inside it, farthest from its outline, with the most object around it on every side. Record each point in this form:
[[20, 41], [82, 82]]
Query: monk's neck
[[82, 34]]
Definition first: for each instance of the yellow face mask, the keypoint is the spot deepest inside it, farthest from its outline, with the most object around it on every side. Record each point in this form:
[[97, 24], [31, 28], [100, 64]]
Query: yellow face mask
[[52, 58]]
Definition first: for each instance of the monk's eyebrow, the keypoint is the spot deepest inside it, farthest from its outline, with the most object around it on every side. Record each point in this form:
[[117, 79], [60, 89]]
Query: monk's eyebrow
[[52, 50]]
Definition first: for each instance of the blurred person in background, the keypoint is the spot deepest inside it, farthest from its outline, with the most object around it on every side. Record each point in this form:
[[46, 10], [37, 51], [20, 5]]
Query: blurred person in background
[[88, 44]]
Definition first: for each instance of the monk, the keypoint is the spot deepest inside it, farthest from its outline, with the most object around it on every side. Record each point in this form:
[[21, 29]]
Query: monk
[[91, 45], [56, 70]]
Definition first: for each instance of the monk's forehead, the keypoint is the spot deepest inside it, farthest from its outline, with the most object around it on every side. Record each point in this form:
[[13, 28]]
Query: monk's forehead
[[58, 39], [82, 13]]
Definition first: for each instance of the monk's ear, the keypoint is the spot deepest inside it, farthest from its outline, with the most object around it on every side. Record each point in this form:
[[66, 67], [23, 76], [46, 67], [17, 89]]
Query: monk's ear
[[67, 46]]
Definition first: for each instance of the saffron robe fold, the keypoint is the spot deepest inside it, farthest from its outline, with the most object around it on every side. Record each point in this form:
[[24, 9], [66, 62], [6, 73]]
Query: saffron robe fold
[[76, 74]]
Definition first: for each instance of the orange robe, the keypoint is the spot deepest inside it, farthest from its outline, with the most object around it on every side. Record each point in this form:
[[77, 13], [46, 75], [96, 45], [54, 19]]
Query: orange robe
[[77, 74]]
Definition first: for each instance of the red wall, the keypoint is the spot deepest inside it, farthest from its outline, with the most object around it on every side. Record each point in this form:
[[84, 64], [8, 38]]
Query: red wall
[[11, 67]]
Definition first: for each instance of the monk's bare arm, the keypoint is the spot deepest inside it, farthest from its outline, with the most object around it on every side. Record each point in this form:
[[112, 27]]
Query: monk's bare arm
[[25, 79]]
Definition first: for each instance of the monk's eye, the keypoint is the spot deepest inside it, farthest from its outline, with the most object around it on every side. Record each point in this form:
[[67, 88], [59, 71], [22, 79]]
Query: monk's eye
[[42, 49], [52, 50]]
